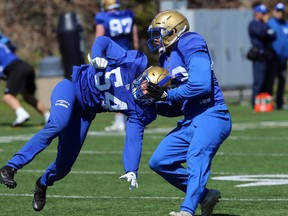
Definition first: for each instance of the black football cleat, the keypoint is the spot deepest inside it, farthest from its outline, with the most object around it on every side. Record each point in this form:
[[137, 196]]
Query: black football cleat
[[39, 199], [7, 176]]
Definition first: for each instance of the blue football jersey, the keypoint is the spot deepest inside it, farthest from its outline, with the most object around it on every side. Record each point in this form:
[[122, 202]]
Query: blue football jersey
[[200, 89], [118, 26], [6, 57], [280, 44], [110, 90]]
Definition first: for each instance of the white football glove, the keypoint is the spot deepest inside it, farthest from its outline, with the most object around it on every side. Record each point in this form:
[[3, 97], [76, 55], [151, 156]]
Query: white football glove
[[130, 177], [97, 62]]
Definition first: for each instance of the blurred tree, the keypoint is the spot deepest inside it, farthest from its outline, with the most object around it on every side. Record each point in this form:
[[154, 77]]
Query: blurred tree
[[31, 24]]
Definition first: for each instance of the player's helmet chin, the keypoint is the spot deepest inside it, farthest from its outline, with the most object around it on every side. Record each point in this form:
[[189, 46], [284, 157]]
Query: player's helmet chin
[[165, 30], [107, 5], [154, 74]]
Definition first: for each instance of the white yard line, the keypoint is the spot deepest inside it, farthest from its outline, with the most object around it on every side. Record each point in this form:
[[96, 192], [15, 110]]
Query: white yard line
[[140, 197], [228, 154], [163, 131], [258, 125], [248, 180], [95, 172], [9, 139]]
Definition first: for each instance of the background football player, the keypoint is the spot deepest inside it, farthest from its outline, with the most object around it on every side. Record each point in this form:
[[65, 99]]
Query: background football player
[[120, 26], [20, 79]]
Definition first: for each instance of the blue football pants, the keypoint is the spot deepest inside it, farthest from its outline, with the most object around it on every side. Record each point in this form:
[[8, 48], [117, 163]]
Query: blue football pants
[[67, 122], [194, 142]]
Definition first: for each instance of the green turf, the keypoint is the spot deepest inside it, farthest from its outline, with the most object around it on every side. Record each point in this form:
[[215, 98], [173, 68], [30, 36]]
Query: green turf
[[93, 187]]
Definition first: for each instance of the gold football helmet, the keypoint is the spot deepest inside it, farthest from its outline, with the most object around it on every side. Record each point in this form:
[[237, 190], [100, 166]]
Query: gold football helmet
[[109, 4], [165, 30], [154, 74]]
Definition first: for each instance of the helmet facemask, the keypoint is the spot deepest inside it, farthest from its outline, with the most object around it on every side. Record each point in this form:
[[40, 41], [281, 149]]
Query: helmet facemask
[[156, 39], [137, 88], [153, 74]]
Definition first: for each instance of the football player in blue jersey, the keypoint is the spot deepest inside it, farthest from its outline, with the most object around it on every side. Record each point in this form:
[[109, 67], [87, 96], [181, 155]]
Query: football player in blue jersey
[[113, 87], [120, 26], [20, 79], [206, 123]]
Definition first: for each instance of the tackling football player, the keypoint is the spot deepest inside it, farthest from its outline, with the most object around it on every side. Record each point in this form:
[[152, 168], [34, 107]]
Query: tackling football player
[[206, 123], [103, 86]]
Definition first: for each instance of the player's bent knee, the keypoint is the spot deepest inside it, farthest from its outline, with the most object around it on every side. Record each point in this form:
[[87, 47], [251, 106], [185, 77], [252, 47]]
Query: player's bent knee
[[154, 164]]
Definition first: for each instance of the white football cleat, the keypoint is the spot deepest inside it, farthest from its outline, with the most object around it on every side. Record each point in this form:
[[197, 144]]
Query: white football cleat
[[116, 127], [209, 202], [21, 119], [181, 213]]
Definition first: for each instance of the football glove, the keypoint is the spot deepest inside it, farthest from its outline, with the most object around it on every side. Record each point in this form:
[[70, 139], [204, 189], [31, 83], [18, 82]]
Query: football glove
[[130, 177], [97, 62], [157, 92]]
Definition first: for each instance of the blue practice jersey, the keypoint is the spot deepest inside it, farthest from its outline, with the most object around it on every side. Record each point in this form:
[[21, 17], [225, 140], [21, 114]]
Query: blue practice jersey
[[280, 44], [7, 55], [200, 90], [6, 58], [118, 26], [109, 90]]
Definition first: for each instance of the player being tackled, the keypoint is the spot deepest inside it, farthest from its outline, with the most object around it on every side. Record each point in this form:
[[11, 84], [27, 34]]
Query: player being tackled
[[92, 90]]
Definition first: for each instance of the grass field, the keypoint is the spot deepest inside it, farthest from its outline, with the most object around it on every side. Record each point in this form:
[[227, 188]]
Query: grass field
[[255, 154]]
